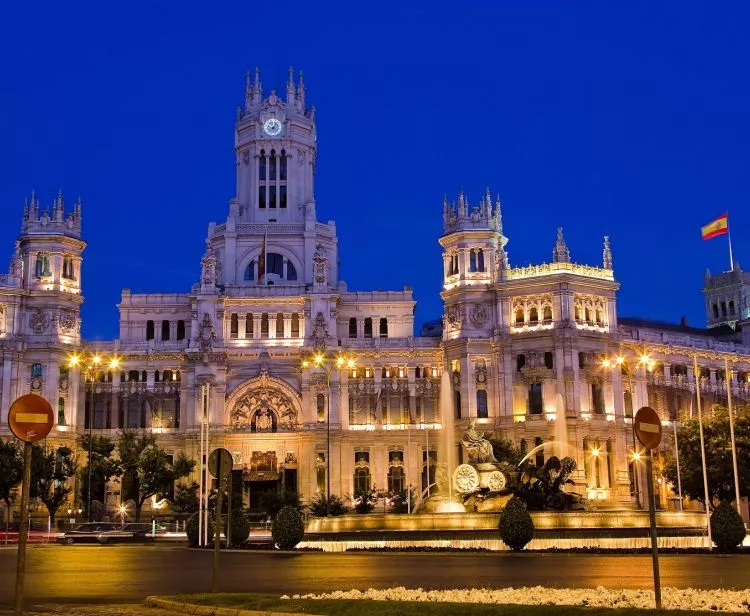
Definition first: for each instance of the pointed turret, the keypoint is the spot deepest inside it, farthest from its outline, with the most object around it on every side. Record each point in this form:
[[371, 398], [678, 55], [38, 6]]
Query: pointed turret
[[257, 88], [290, 89], [607, 254], [560, 254], [301, 92]]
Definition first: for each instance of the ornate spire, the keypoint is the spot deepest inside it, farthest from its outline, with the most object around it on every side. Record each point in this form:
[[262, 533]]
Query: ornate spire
[[290, 90], [560, 254], [301, 92], [607, 253], [499, 214], [461, 204], [257, 89]]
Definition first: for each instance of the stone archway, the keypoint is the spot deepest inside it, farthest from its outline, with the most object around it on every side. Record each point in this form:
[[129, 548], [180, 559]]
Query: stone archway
[[264, 404]]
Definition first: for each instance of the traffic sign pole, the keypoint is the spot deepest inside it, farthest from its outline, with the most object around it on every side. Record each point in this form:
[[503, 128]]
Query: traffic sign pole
[[23, 531], [648, 430], [217, 537], [30, 419]]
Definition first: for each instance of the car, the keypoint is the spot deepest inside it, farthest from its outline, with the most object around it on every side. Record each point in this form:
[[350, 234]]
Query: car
[[87, 532], [133, 531]]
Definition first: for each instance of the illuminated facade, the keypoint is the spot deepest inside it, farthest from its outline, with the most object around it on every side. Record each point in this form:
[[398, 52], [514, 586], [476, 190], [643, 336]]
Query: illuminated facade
[[531, 351]]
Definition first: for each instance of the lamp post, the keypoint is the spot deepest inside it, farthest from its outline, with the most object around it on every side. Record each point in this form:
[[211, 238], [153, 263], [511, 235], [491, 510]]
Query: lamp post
[[327, 364], [90, 364], [644, 361]]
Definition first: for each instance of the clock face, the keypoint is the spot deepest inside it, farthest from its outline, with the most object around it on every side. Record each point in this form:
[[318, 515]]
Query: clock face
[[272, 127]]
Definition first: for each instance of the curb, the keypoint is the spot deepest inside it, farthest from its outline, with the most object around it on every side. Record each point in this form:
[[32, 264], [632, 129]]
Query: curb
[[209, 610]]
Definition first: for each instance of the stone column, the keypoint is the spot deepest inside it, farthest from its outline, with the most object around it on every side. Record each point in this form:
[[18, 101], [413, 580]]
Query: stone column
[[287, 325]]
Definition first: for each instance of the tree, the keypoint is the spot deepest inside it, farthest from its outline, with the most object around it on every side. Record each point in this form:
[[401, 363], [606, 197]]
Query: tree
[[727, 527], [147, 469], [11, 472], [516, 525], [185, 498], [50, 472], [719, 467], [103, 468], [506, 451], [273, 502]]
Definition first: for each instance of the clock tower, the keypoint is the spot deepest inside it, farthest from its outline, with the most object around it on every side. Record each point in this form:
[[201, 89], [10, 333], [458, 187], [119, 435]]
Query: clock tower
[[275, 150]]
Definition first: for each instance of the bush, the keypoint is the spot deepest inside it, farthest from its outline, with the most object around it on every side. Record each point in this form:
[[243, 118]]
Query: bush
[[364, 502], [240, 527], [273, 502], [516, 525], [288, 528], [318, 506], [727, 527], [399, 504], [192, 530]]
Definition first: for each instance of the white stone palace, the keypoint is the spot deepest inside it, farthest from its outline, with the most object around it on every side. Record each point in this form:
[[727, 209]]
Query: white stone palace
[[530, 353]]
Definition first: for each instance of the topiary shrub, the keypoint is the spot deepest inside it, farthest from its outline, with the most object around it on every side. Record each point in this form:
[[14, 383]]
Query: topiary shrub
[[240, 527], [516, 525], [288, 528], [192, 531], [727, 527]]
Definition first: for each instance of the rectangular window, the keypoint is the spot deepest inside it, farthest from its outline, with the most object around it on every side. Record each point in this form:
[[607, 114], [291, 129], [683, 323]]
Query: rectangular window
[[272, 197], [282, 196], [535, 399], [61, 411], [368, 327], [262, 197], [482, 404], [457, 404], [597, 399]]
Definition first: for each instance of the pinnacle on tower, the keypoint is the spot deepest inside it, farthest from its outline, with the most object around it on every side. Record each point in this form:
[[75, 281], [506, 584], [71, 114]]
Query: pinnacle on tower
[[560, 254], [301, 92], [607, 253], [257, 89], [499, 214], [290, 89]]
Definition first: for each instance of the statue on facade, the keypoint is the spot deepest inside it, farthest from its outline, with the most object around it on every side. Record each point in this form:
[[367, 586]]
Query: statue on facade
[[209, 270]]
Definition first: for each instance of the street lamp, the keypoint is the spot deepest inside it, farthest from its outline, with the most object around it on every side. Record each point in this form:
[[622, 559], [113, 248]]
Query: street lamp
[[90, 364], [327, 364], [123, 510], [646, 362]]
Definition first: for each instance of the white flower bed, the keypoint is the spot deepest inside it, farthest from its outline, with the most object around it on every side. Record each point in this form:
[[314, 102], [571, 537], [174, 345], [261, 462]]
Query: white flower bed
[[672, 598]]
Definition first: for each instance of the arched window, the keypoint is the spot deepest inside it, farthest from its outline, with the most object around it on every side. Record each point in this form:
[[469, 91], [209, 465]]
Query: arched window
[[149, 330], [723, 309], [41, 267], [533, 316], [480, 260], [282, 166], [320, 406], [133, 375], [520, 362], [180, 330], [167, 376], [250, 270], [233, 325], [362, 481], [262, 165], [472, 261], [272, 166], [396, 475], [264, 325], [295, 325], [368, 327], [275, 264], [36, 370], [291, 272], [165, 330], [249, 325], [519, 316], [383, 328], [279, 325], [716, 311], [482, 404], [282, 196], [547, 314], [731, 307], [352, 327], [143, 376], [67, 268]]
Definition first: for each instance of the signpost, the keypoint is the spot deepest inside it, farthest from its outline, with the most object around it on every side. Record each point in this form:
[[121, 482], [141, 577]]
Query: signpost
[[30, 418], [648, 431], [220, 466]]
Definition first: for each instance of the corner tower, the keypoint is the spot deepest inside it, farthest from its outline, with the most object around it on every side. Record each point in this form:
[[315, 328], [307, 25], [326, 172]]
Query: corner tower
[[275, 145]]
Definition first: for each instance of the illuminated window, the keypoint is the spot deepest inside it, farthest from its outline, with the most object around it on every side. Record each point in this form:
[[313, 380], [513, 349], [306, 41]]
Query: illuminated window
[[368, 327], [480, 260], [36, 370], [61, 411], [482, 412], [264, 325]]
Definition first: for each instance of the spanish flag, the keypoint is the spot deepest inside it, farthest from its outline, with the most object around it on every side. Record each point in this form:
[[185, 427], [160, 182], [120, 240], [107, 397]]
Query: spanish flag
[[720, 226]]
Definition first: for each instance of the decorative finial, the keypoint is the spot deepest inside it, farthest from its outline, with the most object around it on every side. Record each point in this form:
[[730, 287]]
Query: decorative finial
[[560, 254], [290, 92], [607, 253], [247, 80]]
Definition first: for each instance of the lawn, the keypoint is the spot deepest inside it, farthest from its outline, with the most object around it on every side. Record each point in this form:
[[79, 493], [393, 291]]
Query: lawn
[[272, 603]]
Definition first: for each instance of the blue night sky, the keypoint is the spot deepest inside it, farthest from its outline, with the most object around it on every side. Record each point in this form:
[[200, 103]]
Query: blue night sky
[[630, 119]]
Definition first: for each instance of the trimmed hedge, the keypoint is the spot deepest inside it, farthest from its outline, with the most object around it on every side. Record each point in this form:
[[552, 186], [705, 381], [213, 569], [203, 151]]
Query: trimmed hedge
[[192, 531], [288, 528], [727, 527], [240, 527], [516, 525]]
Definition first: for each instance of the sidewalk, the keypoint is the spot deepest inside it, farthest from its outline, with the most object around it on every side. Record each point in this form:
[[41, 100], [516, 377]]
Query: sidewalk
[[66, 609]]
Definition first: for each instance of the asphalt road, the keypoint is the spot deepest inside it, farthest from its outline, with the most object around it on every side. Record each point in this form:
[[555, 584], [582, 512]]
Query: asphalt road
[[88, 574]]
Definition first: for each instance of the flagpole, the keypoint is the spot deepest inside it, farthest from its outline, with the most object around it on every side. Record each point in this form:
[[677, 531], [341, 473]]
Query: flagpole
[[729, 238]]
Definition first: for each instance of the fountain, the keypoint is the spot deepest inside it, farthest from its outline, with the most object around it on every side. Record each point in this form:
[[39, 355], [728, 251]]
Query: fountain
[[446, 450]]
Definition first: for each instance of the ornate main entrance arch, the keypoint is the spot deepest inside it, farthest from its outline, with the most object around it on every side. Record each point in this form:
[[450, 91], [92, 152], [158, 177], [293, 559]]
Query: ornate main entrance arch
[[264, 404]]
